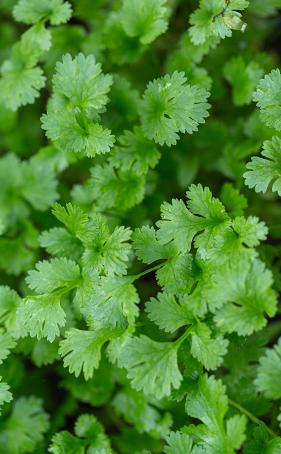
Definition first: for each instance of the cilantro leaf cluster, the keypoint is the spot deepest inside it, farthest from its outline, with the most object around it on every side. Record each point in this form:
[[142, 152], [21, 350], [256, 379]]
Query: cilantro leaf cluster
[[140, 274]]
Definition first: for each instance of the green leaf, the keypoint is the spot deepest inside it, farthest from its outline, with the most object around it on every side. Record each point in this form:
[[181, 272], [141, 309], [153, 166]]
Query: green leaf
[[25, 427], [123, 49], [58, 241], [22, 182], [97, 391], [123, 107], [82, 349], [17, 254], [65, 442], [180, 266], [82, 88], [208, 19], [6, 344], [239, 241], [86, 288], [269, 372], [263, 171], [44, 352], [135, 152], [208, 402], [167, 313], [52, 275], [38, 37], [63, 127], [264, 9], [234, 202], [235, 430], [5, 395], [72, 217], [147, 248], [152, 366], [32, 11], [181, 224], [42, 315], [112, 302], [123, 190], [20, 82], [82, 82], [267, 97], [169, 107], [91, 437], [9, 303], [87, 426], [261, 444], [250, 230], [144, 19], [114, 349], [39, 186], [240, 295], [181, 444], [138, 410], [243, 79], [109, 252], [209, 351]]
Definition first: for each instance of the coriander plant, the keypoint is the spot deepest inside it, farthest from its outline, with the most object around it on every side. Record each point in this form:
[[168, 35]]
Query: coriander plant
[[140, 227]]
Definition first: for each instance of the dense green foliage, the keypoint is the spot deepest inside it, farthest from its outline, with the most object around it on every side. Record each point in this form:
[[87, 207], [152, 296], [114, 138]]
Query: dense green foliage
[[140, 226]]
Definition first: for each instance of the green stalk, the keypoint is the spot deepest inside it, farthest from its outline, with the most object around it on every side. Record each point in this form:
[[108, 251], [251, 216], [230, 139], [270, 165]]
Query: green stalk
[[184, 336], [84, 119], [252, 417], [134, 278]]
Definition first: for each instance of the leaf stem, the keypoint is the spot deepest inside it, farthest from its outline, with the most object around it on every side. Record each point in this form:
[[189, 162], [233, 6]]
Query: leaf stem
[[222, 11], [146, 272], [252, 417], [84, 118], [184, 336]]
